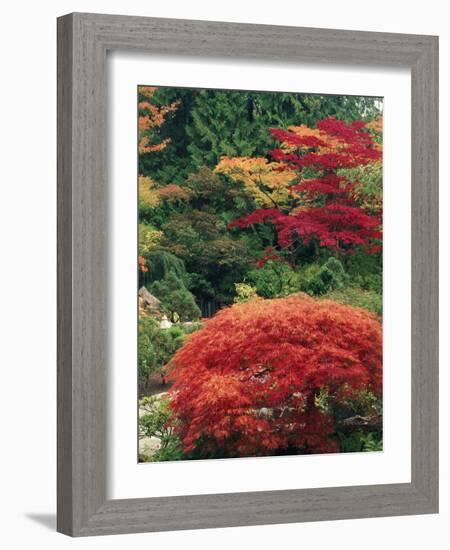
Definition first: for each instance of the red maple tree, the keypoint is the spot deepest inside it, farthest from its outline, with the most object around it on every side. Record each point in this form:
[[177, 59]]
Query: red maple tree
[[323, 207], [247, 383]]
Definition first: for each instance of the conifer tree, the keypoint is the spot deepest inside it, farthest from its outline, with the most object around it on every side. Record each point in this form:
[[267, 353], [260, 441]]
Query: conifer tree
[[209, 124], [176, 298]]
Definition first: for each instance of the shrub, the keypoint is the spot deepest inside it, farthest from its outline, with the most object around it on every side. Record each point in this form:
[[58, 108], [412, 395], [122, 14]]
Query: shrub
[[368, 299], [156, 421], [155, 348], [176, 298], [246, 383], [329, 277], [274, 279], [244, 293], [365, 270], [368, 281], [359, 441]]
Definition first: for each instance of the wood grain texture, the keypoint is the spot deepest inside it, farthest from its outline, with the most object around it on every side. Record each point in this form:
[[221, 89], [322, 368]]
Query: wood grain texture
[[83, 40], [64, 328]]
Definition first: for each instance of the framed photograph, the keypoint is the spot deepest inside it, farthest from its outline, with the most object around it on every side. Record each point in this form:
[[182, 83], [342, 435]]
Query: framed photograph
[[247, 274]]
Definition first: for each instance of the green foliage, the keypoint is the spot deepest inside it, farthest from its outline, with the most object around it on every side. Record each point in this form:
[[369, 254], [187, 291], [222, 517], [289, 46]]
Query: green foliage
[[208, 124], [366, 270], [149, 238], [322, 400], [192, 256], [176, 298], [244, 293], [369, 189], [155, 347], [214, 259], [200, 286], [360, 441], [190, 327], [223, 124], [235, 123], [367, 299], [210, 190], [172, 164], [368, 281], [329, 276], [363, 405], [156, 420], [373, 442], [160, 264], [274, 279]]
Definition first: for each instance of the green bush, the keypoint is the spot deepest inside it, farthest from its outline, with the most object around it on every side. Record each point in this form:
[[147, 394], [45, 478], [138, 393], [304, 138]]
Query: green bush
[[176, 298], [156, 420], [368, 281], [363, 405], [155, 348], [365, 270], [367, 299], [360, 441], [329, 276], [244, 293], [274, 279]]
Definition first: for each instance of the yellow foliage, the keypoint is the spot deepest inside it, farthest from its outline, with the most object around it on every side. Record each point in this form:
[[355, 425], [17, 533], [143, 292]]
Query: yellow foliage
[[268, 186], [149, 239], [147, 192], [332, 144], [244, 293], [376, 125]]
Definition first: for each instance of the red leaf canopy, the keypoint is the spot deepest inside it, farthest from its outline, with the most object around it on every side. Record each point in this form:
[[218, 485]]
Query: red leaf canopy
[[330, 213], [246, 382]]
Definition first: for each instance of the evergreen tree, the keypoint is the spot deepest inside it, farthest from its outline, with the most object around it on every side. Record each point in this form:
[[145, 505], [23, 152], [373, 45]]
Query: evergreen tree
[[176, 298], [160, 263], [235, 123], [208, 124]]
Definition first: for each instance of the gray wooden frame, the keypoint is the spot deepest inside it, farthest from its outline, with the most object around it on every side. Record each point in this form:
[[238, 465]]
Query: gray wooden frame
[[83, 40]]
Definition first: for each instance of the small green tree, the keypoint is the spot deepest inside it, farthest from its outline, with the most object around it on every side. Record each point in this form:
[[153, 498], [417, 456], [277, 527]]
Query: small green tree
[[274, 279], [160, 263], [157, 420], [176, 298], [244, 293], [330, 276], [354, 296], [155, 348]]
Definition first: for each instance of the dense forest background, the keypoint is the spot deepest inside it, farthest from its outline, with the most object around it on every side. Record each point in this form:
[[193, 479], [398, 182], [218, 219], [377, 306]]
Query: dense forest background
[[206, 159], [192, 203]]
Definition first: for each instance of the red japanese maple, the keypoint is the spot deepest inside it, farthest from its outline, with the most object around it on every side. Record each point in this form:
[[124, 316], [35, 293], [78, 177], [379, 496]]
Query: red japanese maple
[[246, 383], [323, 205]]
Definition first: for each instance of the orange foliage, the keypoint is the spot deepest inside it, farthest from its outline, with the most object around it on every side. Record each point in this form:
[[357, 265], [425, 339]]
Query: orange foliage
[[246, 384], [151, 118], [264, 180], [330, 142], [376, 125], [142, 264], [172, 191]]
